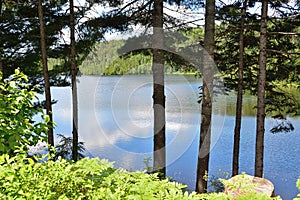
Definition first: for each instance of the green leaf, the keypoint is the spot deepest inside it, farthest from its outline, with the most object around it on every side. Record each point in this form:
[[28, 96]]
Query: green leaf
[[18, 105], [46, 118]]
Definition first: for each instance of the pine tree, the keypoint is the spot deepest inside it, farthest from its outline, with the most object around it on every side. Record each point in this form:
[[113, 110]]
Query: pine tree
[[260, 123], [239, 102], [74, 84], [46, 73], [158, 89], [207, 95]]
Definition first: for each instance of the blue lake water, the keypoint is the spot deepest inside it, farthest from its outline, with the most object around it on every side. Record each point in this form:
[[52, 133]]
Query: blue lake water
[[115, 122]]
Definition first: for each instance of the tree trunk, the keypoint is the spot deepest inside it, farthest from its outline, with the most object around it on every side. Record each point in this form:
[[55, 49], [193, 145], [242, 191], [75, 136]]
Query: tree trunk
[[158, 89], [74, 85], [1, 63], [46, 73], [239, 102], [260, 123], [207, 94]]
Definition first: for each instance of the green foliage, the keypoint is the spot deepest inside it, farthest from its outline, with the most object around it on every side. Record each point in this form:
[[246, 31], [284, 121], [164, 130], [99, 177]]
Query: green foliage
[[20, 41], [102, 56], [20, 36], [215, 181], [255, 196], [104, 60], [23, 178], [239, 184], [149, 167], [298, 186], [282, 63], [245, 188], [118, 57], [16, 115]]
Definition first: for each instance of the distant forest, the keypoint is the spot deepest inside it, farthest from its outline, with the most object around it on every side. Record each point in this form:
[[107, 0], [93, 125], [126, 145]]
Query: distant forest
[[105, 59]]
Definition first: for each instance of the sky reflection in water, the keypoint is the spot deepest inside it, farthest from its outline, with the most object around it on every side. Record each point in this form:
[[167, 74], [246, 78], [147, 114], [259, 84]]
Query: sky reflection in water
[[115, 115]]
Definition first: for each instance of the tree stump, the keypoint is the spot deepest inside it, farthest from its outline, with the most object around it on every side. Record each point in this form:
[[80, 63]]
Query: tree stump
[[243, 183]]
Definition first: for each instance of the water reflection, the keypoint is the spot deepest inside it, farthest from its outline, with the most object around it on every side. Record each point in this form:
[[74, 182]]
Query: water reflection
[[116, 123]]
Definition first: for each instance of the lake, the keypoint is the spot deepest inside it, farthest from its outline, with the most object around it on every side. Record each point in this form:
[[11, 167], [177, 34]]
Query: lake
[[115, 123]]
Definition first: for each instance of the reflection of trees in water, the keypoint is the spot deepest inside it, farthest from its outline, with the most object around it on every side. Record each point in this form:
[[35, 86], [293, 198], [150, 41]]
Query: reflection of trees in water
[[282, 125], [226, 105], [281, 104]]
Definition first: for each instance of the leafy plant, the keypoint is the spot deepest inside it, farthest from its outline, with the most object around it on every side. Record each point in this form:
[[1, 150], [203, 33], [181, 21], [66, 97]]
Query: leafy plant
[[149, 167], [239, 183], [243, 187], [298, 186], [17, 126], [23, 178], [215, 181]]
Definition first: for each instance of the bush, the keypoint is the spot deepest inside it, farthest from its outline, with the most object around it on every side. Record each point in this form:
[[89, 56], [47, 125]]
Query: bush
[[22, 178], [16, 113]]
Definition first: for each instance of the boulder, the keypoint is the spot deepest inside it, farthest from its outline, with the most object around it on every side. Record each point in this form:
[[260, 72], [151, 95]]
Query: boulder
[[243, 183]]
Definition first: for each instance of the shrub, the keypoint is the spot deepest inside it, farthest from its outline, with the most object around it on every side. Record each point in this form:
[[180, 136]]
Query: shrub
[[215, 181], [22, 178], [17, 127]]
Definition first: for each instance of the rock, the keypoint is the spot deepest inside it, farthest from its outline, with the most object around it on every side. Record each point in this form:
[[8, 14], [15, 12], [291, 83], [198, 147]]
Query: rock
[[243, 183]]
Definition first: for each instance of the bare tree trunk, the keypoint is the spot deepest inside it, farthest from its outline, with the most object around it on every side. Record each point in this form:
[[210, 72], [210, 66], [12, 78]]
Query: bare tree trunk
[[207, 94], [158, 89], [74, 85], [46, 73], [260, 123], [1, 63], [239, 102]]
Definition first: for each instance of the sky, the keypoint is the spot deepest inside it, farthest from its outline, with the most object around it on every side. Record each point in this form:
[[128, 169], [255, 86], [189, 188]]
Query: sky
[[184, 14]]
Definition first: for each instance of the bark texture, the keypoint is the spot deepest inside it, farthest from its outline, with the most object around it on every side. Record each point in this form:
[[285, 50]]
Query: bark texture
[[207, 94], [158, 89], [1, 62], [74, 84], [260, 123], [239, 101], [46, 73]]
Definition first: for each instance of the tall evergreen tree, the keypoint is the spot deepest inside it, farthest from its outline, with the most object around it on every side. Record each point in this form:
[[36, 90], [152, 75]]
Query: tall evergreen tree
[[282, 48], [150, 13], [207, 94], [158, 89], [239, 102], [74, 83], [20, 44], [46, 73], [1, 63], [260, 123]]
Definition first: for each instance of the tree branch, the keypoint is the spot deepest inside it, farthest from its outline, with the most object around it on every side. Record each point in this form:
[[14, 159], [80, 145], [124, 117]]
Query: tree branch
[[185, 23], [283, 53], [283, 33]]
